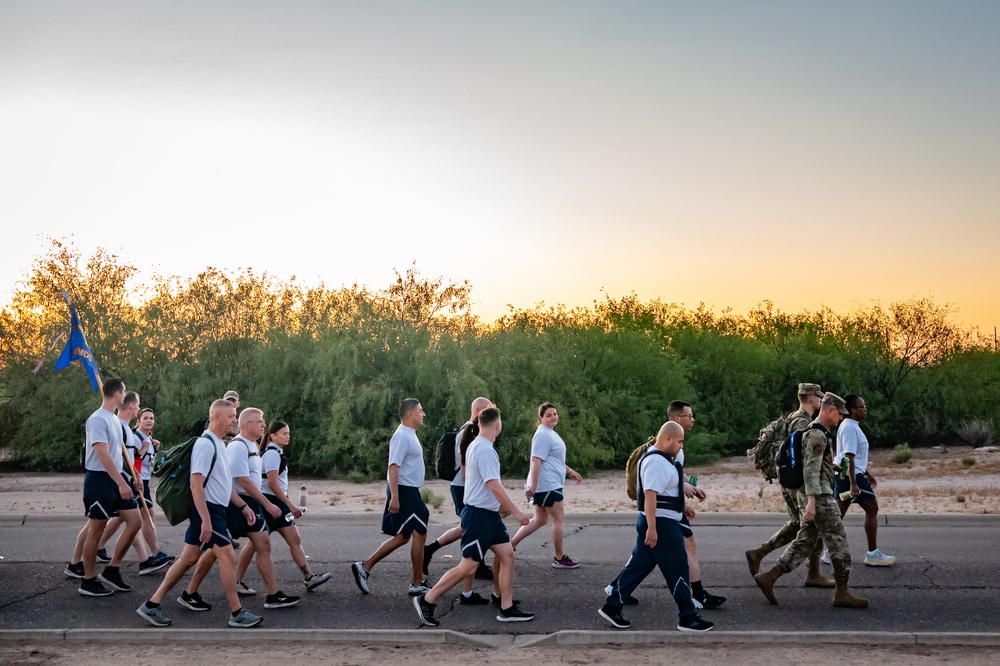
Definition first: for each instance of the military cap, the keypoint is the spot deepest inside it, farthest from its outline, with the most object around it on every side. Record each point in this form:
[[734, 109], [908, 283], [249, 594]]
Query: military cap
[[834, 400], [231, 395], [810, 389]]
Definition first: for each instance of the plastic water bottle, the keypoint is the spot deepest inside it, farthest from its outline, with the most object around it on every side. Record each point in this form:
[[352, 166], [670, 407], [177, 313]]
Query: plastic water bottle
[[289, 517], [302, 498]]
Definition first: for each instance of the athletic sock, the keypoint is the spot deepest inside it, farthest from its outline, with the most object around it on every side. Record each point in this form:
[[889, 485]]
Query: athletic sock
[[696, 588], [467, 595], [110, 569], [237, 612], [432, 548], [151, 604]]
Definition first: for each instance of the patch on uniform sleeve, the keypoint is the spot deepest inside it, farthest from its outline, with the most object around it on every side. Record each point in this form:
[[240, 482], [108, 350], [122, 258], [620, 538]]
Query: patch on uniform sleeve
[[817, 445]]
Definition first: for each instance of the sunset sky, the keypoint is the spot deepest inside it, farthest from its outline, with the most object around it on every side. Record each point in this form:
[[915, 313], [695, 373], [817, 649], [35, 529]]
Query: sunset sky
[[720, 152]]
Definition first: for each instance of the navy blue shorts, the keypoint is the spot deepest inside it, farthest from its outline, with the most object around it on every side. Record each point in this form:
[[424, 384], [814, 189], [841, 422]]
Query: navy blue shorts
[[413, 513], [220, 532], [146, 494], [274, 524], [481, 528], [867, 493], [458, 497], [547, 498], [101, 499], [685, 527], [236, 520]]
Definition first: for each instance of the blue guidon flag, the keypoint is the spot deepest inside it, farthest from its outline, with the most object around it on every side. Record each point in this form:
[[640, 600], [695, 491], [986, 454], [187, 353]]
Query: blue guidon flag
[[77, 349]]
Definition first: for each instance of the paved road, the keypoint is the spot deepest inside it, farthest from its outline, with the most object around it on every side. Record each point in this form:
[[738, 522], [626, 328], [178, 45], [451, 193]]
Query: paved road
[[947, 580]]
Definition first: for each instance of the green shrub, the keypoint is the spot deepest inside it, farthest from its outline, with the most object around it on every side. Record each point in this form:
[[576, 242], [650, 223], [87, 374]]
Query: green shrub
[[903, 453], [976, 433], [357, 476], [959, 497], [432, 498], [969, 461]]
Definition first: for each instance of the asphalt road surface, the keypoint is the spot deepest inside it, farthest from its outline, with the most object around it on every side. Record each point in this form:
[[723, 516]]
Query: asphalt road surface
[[946, 579]]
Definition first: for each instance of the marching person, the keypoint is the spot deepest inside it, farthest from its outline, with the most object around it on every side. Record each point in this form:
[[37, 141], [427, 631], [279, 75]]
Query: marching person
[[546, 480], [211, 492], [486, 503]]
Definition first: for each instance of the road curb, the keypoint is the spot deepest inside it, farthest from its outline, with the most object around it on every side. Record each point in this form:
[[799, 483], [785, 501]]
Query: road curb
[[445, 636]]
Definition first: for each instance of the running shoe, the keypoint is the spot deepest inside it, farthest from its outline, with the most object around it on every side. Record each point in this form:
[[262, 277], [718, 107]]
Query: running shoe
[[360, 577], [280, 600], [474, 599], [154, 616], [425, 611], [244, 619], [193, 602], [151, 565], [825, 558], [113, 579], [514, 614], [244, 590], [564, 563], [102, 556], [708, 601], [694, 624], [423, 588], [876, 558], [74, 570], [91, 587], [614, 616], [315, 581]]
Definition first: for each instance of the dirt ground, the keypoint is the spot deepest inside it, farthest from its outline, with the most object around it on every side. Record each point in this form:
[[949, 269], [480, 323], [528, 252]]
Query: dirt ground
[[933, 481], [77, 653]]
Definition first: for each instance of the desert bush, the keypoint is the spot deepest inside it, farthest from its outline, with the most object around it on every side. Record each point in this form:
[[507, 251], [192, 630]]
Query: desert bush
[[976, 433], [968, 461], [432, 498], [902, 454], [959, 497]]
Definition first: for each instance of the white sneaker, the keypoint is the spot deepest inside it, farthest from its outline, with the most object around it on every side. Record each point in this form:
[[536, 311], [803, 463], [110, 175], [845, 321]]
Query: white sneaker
[[244, 590], [825, 558], [876, 558]]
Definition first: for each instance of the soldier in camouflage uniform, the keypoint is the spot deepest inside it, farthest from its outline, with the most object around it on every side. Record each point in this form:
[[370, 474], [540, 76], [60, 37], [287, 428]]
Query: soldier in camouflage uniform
[[810, 396], [820, 516]]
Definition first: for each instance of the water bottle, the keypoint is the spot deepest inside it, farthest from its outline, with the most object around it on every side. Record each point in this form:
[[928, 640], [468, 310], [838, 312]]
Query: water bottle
[[693, 480], [844, 467], [527, 487], [289, 517], [302, 499]]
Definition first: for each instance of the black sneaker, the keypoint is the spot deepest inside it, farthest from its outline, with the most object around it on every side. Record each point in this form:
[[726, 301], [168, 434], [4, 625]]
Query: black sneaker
[[91, 587], [495, 600], [113, 579], [74, 570], [279, 600], [614, 616], [151, 565], [193, 602], [694, 624], [474, 599], [710, 601], [425, 611], [102, 556], [514, 614], [484, 571]]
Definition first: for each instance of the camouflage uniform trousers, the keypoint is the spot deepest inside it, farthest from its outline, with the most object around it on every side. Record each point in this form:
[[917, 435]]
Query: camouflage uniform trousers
[[826, 526], [786, 534]]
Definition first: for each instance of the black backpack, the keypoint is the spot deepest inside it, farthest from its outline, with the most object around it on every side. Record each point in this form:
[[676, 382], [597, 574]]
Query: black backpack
[[444, 456], [789, 459]]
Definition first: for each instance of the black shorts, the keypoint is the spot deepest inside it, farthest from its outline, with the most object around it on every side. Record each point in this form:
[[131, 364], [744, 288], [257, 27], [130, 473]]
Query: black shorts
[[101, 499], [685, 527], [867, 493], [146, 494], [547, 498], [481, 528], [236, 520], [458, 497], [281, 521], [220, 532], [412, 516]]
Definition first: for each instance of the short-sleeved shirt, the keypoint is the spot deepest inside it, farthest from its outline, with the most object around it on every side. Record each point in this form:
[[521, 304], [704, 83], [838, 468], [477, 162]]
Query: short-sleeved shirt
[[851, 439], [104, 426], [405, 451], [659, 475], [550, 448], [459, 480], [132, 442], [244, 462], [482, 464], [270, 461], [220, 484], [146, 473]]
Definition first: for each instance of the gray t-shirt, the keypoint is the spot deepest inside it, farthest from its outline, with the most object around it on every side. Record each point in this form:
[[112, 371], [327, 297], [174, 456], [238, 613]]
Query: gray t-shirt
[[459, 480], [243, 462], [270, 461], [104, 426], [550, 448], [406, 452], [220, 483], [482, 465]]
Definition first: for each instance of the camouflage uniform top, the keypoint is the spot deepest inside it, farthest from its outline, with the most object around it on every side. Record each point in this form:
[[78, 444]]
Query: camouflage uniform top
[[798, 420], [817, 460]]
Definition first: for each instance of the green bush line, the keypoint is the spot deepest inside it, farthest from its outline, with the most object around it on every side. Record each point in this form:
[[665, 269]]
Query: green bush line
[[334, 364]]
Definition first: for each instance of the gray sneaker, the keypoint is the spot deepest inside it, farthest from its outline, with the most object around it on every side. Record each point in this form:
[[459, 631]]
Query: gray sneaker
[[244, 619], [154, 616]]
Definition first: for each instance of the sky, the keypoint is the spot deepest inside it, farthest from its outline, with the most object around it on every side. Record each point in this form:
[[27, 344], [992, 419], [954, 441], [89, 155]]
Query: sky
[[807, 153]]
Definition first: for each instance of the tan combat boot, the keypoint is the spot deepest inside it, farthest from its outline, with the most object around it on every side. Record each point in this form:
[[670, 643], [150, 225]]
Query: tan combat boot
[[844, 599], [813, 576], [755, 556], [765, 581]]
